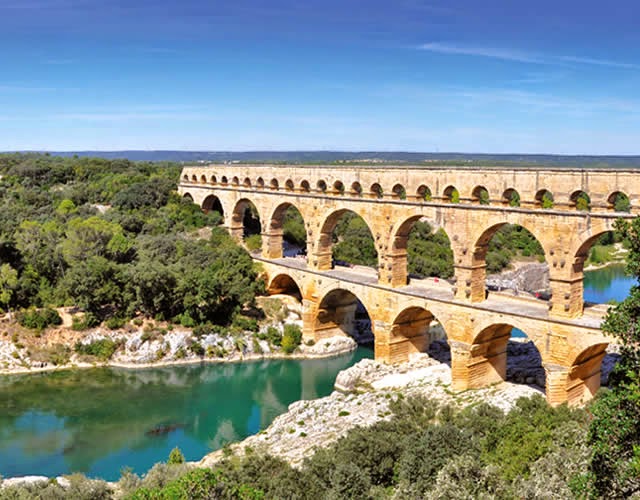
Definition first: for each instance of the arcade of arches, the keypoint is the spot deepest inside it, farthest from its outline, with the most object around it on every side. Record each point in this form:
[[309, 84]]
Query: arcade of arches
[[566, 334]]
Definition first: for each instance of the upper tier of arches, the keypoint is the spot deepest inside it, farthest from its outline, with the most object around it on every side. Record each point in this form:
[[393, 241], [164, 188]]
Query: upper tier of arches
[[522, 190]]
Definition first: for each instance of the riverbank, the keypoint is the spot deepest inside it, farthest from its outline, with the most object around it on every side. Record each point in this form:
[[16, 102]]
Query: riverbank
[[150, 344]]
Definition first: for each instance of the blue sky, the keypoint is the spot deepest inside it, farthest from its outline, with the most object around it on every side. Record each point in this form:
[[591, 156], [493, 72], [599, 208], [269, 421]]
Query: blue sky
[[502, 76]]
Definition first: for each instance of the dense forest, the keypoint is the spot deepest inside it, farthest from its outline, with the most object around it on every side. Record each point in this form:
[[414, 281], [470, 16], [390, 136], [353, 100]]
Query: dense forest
[[113, 238]]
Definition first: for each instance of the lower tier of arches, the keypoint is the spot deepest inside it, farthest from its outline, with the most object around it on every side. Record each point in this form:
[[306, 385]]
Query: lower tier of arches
[[571, 354]]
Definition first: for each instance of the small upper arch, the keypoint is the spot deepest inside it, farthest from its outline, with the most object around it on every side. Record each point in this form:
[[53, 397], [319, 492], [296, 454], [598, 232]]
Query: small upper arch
[[356, 189], [399, 192], [260, 182], [246, 182], [480, 195], [580, 200], [289, 185], [619, 202], [511, 198], [424, 193], [273, 184], [544, 199], [224, 181], [213, 180], [321, 186], [203, 179], [451, 195], [376, 190], [305, 186], [235, 181], [185, 177], [338, 187], [194, 178]]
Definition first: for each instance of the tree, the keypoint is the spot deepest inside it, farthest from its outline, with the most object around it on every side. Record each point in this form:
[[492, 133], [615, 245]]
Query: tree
[[8, 282], [615, 431], [622, 203]]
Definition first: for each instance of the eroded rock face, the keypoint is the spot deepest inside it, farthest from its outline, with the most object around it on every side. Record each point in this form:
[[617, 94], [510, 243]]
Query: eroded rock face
[[529, 278]]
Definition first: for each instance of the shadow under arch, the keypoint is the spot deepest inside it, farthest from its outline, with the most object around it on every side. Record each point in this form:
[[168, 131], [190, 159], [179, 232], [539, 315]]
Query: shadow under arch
[[283, 284], [212, 204], [419, 250], [287, 232], [501, 352], [341, 313], [245, 220], [352, 243], [416, 330], [585, 375], [187, 196]]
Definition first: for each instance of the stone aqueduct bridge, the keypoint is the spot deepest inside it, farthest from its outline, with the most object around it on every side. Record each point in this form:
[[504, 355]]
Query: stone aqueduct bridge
[[391, 200]]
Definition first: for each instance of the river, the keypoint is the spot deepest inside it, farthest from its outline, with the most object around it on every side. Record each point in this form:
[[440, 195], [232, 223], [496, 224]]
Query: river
[[97, 421]]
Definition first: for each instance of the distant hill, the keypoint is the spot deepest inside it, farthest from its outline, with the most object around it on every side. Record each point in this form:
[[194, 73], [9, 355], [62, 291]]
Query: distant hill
[[363, 157]]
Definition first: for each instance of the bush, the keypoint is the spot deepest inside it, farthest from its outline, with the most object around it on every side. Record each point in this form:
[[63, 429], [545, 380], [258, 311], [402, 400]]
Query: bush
[[114, 323], [291, 338], [245, 324], [197, 349], [84, 322], [102, 349], [175, 457], [253, 242], [39, 319]]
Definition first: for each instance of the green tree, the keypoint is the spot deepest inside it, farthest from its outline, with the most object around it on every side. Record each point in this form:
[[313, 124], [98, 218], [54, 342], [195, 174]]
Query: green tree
[[8, 282], [615, 431], [622, 203]]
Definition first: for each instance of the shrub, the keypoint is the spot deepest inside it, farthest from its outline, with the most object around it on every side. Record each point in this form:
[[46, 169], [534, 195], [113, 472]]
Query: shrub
[[39, 319], [84, 322], [57, 354], [273, 336], [114, 322], [176, 456], [253, 242], [291, 338], [102, 349], [256, 346], [197, 349], [245, 324]]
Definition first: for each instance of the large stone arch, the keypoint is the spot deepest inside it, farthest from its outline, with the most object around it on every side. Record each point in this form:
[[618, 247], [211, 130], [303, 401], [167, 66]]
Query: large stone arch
[[409, 333], [323, 244], [335, 313], [395, 268], [236, 223], [473, 258], [284, 284], [213, 203], [583, 378], [274, 229]]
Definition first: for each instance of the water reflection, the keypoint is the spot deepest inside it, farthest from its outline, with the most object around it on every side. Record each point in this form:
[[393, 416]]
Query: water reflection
[[97, 421]]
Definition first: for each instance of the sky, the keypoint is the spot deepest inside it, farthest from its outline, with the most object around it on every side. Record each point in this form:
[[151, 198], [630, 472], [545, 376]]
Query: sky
[[474, 76]]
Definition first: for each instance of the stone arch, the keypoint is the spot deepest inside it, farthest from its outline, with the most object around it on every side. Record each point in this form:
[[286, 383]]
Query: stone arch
[[544, 199], [187, 196], [246, 182], [476, 277], [490, 351], [583, 379], [223, 180], [399, 192], [273, 184], [341, 313], [619, 202], [580, 200], [185, 178], [245, 219], [322, 259], [213, 179], [289, 185], [203, 179], [194, 178], [212, 203], [275, 232], [576, 271], [356, 189], [409, 333], [235, 181], [511, 198], [321, 186], [397, 258], [423, 193], [376, 190], [338, 187], [305, 186], [260, 183], [284, 284], [451, 195], [480, 195]]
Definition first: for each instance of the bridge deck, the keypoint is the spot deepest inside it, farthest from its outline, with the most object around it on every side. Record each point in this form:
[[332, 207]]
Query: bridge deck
[[442, 291]]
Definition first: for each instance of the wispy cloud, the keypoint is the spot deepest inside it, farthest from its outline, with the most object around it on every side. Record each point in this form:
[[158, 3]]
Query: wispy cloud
[[507, 54]]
